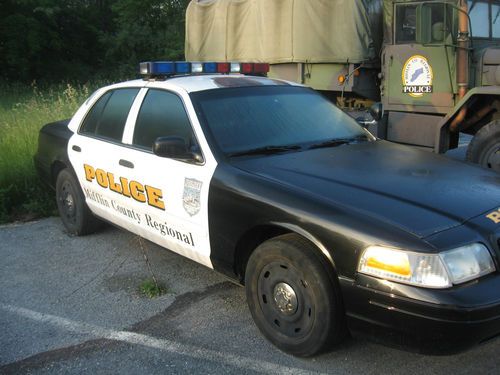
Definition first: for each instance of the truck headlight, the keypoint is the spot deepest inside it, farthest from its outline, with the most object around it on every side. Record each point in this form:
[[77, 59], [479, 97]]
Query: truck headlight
[[440, 270]]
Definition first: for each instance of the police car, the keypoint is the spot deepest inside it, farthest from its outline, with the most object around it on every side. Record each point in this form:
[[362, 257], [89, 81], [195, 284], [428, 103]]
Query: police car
[[330, 229]]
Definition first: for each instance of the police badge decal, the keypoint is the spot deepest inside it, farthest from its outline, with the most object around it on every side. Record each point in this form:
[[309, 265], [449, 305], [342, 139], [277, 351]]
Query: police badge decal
[[191, 196], [417, 76]]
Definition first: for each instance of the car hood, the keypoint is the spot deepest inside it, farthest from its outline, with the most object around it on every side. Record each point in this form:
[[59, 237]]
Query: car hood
[[418, 191]]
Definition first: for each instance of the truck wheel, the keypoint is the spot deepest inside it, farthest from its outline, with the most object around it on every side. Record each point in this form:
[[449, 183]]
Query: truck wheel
[[73, 210], [293, 299], [484, 149]]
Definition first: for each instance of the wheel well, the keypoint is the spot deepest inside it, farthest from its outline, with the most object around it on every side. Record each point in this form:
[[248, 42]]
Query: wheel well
[[482, 109], [57, 167], [249, 241], [257, 235]]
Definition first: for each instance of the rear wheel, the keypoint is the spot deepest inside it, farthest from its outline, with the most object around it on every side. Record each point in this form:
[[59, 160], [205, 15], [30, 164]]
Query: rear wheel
[[292, 296], [484, 149], [71, 205]]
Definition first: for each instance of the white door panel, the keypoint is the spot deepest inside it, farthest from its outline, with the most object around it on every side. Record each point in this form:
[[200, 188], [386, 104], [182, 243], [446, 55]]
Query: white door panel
[[161, 199], [182, 226], [97, 167]]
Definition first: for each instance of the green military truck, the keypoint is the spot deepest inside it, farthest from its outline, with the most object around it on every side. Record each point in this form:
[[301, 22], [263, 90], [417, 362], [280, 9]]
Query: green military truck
[[433, 66]]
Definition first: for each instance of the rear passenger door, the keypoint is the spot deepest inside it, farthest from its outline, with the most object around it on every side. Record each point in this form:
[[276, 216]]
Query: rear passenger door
[[97, 152], [175, 213]]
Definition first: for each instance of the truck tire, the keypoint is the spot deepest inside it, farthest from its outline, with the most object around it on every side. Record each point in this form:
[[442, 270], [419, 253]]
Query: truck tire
[[294, 300], [74, 212], [484, 149]]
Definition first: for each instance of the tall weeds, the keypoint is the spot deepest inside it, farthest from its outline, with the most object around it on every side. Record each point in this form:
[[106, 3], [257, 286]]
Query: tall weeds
[[23, 111]]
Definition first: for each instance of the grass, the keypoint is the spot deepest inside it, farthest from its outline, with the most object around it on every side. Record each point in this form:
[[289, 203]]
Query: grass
[[23, 111], [151, 290]]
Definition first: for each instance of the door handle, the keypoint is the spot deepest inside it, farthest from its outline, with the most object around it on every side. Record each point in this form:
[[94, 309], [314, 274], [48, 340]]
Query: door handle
[[126, 163], [76, 148]]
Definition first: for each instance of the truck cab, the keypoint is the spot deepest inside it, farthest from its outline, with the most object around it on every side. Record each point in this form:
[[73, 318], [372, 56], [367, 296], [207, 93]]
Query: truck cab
[[439, 78]]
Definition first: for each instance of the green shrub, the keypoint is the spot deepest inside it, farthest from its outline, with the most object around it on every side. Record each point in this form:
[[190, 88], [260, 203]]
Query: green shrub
[[23, 111]]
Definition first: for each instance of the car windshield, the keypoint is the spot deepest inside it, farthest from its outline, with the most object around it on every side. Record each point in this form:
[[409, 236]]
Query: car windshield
[[273, 118]]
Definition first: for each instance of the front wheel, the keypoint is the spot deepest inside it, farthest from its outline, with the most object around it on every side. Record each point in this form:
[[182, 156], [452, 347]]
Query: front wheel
[[71, 205], [293, 298], [484, 149]]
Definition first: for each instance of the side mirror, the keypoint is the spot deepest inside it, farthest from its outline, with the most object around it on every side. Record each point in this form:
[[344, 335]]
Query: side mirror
[[377, 111], [175, 148]]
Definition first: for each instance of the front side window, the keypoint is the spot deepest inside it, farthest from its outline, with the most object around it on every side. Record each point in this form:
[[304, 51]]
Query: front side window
[[485, 18], [479, 17], [108, 116], [495, 20], [406, 23], [162, 114], [246, 118]]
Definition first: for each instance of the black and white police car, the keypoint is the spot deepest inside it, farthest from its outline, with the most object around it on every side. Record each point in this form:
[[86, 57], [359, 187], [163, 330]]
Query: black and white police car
[[330, 229]]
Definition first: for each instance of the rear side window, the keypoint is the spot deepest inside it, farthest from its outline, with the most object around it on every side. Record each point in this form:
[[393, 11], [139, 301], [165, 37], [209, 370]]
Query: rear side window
[[162, 114], [107, 117]]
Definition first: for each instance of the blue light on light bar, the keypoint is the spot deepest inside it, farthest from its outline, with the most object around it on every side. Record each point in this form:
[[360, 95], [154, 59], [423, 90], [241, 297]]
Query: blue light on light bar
[[182, 67], [210, 67], [163, 67]]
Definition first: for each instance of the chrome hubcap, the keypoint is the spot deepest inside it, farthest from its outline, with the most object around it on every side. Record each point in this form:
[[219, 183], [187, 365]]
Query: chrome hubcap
[[69, 202], [285, 298]]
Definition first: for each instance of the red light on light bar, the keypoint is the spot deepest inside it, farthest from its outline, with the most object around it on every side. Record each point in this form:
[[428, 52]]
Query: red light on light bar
[[223, 67], [260, 68], [246, 68]]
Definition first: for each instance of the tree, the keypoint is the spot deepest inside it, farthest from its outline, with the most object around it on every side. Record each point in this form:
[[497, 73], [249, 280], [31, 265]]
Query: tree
[[81, 39]]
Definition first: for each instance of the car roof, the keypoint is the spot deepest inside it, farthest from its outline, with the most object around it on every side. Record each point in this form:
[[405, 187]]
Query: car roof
[[200, 82]]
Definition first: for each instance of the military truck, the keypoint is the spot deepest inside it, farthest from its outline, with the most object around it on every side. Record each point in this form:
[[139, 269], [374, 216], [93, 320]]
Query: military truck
[[429, 70]]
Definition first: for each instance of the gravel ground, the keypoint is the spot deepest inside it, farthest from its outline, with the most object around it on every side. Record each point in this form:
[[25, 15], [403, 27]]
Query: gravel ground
[[71, 305]]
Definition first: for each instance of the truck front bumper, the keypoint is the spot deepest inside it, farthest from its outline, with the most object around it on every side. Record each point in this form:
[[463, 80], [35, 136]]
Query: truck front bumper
[[430, 321]]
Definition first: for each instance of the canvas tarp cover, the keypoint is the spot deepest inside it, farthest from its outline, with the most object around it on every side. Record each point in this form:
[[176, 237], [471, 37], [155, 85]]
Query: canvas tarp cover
[[278, 31]]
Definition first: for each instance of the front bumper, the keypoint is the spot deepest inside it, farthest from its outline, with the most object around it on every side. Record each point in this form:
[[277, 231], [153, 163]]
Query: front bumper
[[430, 321]]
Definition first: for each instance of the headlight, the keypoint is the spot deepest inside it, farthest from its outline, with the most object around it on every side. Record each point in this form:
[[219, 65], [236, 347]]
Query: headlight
[[468, 262], [428, 270]]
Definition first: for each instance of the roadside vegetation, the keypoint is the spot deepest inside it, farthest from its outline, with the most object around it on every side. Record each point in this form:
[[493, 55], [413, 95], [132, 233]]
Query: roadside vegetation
[[53, 41], [24, 109], [151, 289]]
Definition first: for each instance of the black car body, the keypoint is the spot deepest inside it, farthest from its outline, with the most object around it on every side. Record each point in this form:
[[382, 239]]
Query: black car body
[[335, 198]]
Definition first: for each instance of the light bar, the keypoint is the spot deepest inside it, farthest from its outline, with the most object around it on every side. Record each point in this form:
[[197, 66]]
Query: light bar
[[168, 68]]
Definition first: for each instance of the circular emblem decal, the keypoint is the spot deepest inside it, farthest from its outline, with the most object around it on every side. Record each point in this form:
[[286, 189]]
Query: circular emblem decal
[[417, 76]]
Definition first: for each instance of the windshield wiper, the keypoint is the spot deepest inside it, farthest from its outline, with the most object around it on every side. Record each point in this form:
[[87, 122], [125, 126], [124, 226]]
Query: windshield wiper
[[266, 150], [339, 141]]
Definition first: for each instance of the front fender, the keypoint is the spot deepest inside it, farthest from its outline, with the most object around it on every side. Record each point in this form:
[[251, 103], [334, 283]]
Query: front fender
[[442, 144]]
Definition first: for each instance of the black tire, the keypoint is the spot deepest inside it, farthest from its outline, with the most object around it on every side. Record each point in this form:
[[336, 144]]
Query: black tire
[[484, 149], [73, 210], [313, 321]]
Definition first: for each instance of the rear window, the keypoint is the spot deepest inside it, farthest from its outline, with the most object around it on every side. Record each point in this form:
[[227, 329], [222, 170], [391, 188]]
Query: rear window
[[107, 117]]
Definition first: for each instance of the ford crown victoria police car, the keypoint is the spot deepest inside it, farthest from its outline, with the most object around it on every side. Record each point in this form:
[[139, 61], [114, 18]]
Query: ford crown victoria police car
[[330, 230]]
